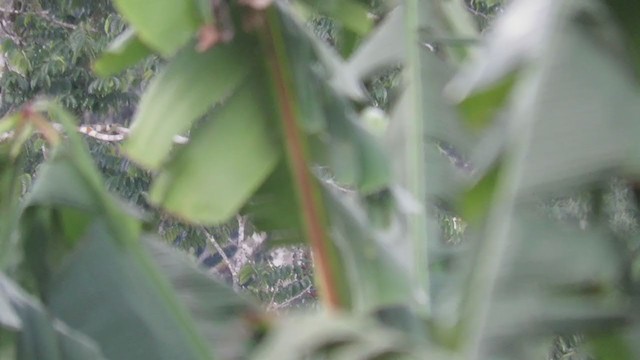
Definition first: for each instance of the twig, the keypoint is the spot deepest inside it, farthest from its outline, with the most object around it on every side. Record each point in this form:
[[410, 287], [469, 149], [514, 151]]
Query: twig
[[232, 270], [97, 129], [10, 33], [292, 299], [42, 14], [476, 12], [273, 297], [100, 132], [241, 222], [45, 15]]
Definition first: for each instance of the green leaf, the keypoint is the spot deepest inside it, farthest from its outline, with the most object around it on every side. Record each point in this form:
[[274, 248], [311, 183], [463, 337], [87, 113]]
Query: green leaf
[[407, 145], [130, 310], [354, 154], [382, 48], [612, 346], [460, 23], [624, 11], [300, 55], [507, 51], [341, 79], [544, 257], [476, 203], [10, 191], [223, 317], [19, 61], [9, 317], [558, 156], [66, 185], [81, 171], [447, 141], [350, 13], [41, 337], [561, 292], [321, 336], [227, 160], [190, 85], [124, 51], [164, 25], [7, 123], [375, 270], [130, 307], [480, 110], [374, 163], [274, 208], [444, 181], [575, 68]]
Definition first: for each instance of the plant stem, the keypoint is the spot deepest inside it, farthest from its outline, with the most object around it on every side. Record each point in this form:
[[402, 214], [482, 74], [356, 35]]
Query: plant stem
[[309, 198], [414, 156], [498, 233]]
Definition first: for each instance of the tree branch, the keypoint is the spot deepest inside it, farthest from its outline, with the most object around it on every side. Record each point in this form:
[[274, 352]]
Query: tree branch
[[291, 299], [220, 250], [41, 14], [102, 132]]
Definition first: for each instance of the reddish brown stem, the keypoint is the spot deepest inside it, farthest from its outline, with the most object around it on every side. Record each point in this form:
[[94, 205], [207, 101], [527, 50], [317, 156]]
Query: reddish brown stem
[[307, 193]]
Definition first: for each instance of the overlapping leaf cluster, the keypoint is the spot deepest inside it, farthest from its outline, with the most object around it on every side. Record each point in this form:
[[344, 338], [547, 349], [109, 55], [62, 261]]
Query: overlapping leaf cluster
[[48, 49], [546, 105]]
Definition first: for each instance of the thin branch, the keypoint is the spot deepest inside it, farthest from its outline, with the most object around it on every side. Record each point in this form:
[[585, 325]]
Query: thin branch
[[45, 153], [102, 132], [6, 136], [41, 14], [45, 15], [272, 304], [476, 12], [292, 299], [122, 131], [232, 270], [241, 223], [10, 33]]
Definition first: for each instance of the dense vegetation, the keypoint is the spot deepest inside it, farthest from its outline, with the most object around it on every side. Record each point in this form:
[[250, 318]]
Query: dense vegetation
[[462, 172]]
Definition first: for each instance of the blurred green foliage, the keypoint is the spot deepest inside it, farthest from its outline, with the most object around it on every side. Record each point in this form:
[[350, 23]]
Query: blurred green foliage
[[49, 47]]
